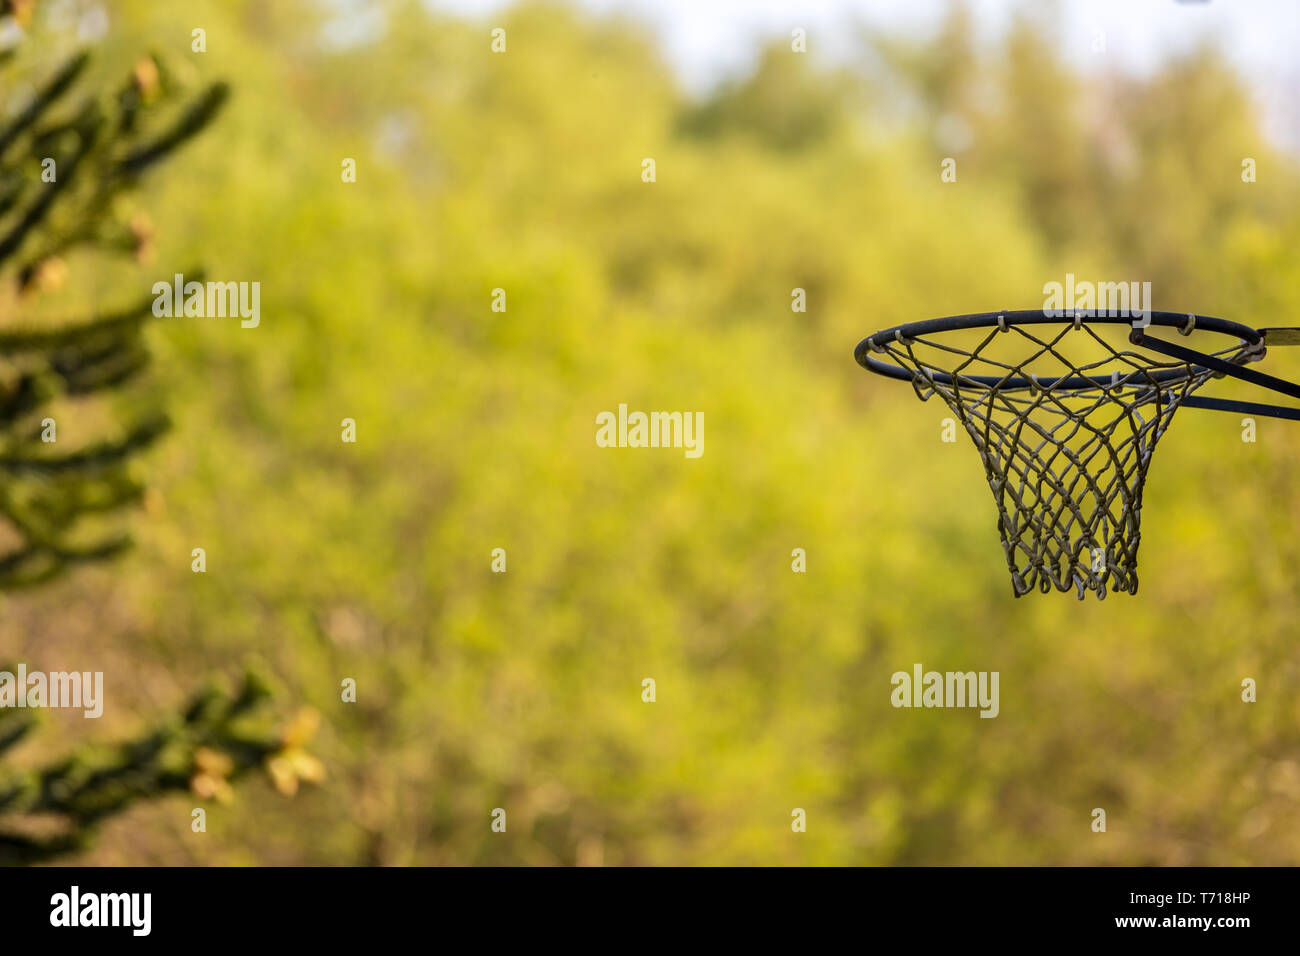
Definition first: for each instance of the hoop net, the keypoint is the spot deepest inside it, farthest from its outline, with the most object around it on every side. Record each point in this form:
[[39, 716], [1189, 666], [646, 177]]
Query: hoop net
[[1065, 448]]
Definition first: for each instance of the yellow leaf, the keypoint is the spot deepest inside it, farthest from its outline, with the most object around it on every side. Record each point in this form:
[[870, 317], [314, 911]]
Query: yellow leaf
[[301, 728], [282, 776], [305, 766], [213, 762]]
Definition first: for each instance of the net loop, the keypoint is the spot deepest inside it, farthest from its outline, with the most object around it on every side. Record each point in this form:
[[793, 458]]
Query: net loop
[[923, 392]]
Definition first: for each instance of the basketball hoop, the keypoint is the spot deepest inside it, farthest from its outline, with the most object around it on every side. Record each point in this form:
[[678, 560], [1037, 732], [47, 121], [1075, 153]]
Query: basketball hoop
[[1066, 426]]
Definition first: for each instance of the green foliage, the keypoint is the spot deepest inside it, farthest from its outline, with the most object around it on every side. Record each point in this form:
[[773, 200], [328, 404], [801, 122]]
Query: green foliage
[[69, 154], [784, 105], [56, 809], [66, 158], [475, 431]]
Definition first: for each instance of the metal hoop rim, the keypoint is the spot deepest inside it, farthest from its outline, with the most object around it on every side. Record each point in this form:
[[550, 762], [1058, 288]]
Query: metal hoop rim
[[1006, 318]]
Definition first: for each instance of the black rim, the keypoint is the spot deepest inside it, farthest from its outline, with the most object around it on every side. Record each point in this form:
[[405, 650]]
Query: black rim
[[977, 320]]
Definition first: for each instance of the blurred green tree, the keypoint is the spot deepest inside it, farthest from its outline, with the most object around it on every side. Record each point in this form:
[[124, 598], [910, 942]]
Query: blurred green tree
[[66, 155]]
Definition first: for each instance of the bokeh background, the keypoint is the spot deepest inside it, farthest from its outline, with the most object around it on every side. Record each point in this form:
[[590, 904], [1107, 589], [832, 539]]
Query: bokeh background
[[476, 431]]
